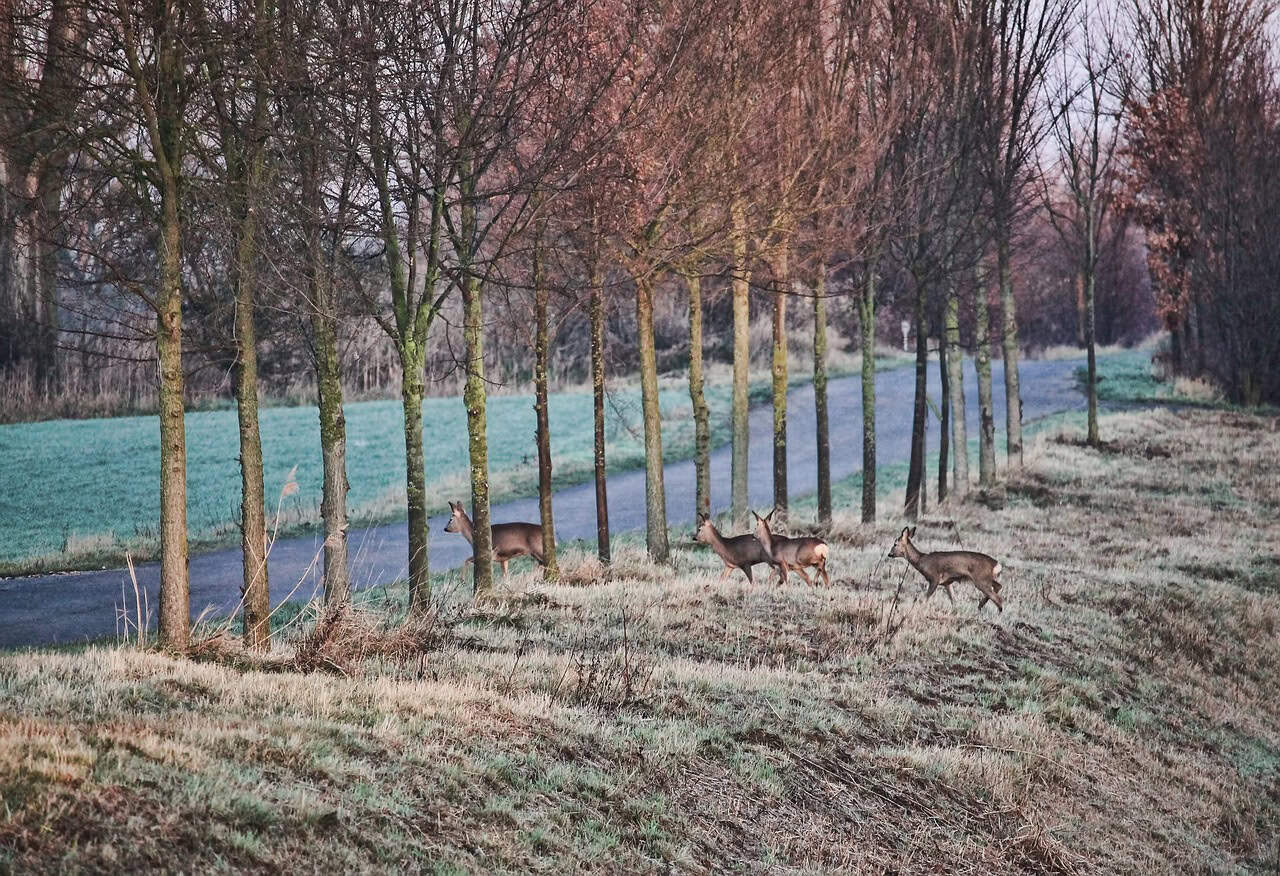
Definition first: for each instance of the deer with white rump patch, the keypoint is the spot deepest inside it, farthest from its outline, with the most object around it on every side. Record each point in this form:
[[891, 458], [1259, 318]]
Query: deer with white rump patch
[[944, 568], [737, 551], [510, 540], [793, 553]]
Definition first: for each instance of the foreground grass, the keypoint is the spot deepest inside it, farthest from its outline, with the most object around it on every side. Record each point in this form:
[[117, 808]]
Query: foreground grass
[[1119, 716], [81, 493]]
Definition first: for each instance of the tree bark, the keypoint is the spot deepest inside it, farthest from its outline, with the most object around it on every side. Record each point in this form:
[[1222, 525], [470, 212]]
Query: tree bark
[[959, 429], [783, 280], [701, 412], [412, 387], [982, 363], [1009, 346], [944, 420], [597, 396], [820, 397], [541, 293], [867, 320], [474, 397], [333, 446], [654, 490], [741, 366], [246, 168], [1090, 340], [255, 590], [175, 592], [913, 506]]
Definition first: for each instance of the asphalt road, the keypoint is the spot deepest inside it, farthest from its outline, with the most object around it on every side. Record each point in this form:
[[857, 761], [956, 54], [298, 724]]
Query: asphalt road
[[77, 606]]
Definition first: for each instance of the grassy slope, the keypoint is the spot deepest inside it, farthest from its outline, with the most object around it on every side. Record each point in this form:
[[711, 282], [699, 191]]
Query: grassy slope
[[82, 492], [1119, 716]]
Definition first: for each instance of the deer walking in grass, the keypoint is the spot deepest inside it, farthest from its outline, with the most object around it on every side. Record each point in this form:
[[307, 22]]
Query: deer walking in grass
[[792, 553], [510, 540], [738, 551], [944, 568]]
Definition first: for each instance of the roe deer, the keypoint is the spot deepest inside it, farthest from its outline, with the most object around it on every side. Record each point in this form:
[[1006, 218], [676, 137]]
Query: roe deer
[[946, 567], [510, 540], [793, 553], [738, 552]]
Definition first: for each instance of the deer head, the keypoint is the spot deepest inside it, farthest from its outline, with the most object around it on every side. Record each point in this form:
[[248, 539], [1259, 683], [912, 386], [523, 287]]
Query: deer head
[[456, 518], [704, 529], [900, 546]]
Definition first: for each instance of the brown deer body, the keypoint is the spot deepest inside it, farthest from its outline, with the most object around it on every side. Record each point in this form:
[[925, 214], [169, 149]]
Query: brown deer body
[[737, 551], [944, 568], [793, 553], [510, 540]]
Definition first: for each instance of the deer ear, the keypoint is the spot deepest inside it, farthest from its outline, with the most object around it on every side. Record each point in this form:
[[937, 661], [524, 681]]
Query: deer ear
[[769, 516], [912, 533]]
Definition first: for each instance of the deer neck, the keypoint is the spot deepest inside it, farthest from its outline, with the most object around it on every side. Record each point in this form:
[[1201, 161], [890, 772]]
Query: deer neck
[[913, 555], [765, 536], [718, 545]]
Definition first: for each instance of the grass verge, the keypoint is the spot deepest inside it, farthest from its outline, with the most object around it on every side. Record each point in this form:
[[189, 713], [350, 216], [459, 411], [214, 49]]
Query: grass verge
[[1119, 716]]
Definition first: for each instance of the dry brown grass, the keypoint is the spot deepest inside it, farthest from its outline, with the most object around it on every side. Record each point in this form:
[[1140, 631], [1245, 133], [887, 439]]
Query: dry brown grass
[[1119, 716]]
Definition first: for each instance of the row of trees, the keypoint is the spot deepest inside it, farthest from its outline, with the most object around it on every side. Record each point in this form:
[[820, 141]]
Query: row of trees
[[227, 178]]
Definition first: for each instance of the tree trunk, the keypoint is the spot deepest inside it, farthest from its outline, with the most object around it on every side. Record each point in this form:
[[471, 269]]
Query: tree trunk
[[175, 593], [255, 589], [959, 429], [474, 398], [1080, 310], [701, 412], [550, 569], [597, 395], [820, 397], [913, 506], [867, 320], [944, 420], [654, 490], [333, 449], [783, 280], [982, 363], [1091, 345], [741, 366], [1009, 345], [413, 368]]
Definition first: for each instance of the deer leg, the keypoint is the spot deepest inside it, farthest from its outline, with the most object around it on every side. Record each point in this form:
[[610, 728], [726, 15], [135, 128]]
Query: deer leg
[[727, 570], [804, 574], [950, 595], [822, 570], [989, 593], [504, 567], [746, 570]]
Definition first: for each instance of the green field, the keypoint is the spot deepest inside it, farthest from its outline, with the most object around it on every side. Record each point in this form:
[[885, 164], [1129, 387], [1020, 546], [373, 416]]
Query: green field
[[79, 493]]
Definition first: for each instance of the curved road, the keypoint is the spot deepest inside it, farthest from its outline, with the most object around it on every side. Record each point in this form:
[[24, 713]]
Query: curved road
[[77, 606]]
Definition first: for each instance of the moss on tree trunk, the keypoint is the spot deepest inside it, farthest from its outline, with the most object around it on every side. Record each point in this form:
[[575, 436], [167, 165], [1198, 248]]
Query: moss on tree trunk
[[982, 364], [541, 294], [698, 398], [654, 490]]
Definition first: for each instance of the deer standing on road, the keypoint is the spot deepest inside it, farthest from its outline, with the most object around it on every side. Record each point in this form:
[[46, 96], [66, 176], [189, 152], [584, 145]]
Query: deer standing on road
[[510, 540], [738, 551], [944, 568], [793, 553]]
